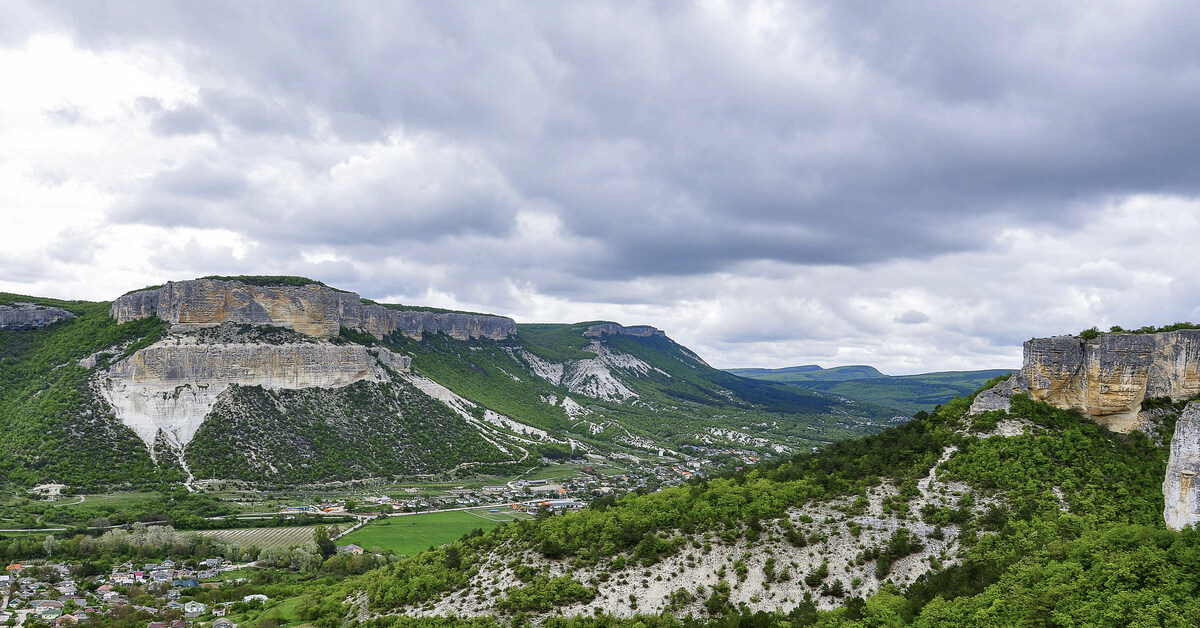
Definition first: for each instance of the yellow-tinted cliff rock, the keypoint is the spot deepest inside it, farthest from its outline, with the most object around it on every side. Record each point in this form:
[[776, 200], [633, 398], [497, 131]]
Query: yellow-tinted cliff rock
[[1105, 378], [314, 309]]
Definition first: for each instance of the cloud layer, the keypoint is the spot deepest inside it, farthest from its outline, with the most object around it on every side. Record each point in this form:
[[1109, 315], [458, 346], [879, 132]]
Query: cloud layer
[[916, 188]]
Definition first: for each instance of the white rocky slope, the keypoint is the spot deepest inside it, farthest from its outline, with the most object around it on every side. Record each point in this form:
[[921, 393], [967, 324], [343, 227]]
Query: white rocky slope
[[169, 387], [837, 532], [595, 377]]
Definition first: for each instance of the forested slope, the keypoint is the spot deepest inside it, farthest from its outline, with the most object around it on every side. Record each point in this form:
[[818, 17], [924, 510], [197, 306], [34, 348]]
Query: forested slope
[[1038, 517]]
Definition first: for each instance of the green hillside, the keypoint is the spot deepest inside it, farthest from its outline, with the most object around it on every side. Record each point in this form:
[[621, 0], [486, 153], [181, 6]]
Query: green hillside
[[1060, 525], [902, 393], [549, 391]]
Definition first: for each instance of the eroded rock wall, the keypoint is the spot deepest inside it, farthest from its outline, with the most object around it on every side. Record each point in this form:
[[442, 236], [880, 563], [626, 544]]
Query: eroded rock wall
[[1182, 504], [171, 386], [314, 310], [30, 316], [640, 331], [1105, 378]]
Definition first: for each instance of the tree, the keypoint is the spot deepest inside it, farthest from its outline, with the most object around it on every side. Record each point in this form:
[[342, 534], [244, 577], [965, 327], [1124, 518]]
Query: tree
[[50, 544], [324, 542]]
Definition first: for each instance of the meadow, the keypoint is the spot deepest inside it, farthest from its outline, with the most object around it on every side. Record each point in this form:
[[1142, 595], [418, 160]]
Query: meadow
[[410, 534]]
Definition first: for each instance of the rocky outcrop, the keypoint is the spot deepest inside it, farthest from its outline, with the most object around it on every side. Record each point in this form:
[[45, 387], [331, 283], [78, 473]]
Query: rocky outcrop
[[613, 329], [1182, 503], [314, 309], [1106, 378], [30, 316], [169, 388]]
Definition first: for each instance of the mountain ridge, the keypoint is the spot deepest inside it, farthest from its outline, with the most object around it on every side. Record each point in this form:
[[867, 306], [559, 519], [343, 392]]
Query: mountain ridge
[[157, 364]]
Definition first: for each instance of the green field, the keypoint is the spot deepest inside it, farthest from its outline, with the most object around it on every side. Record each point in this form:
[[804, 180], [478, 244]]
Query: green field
[[409, 534]]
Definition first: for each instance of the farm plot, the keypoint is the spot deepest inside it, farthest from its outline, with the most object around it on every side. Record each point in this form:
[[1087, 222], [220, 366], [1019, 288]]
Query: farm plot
[[263, 537], [410, 534]]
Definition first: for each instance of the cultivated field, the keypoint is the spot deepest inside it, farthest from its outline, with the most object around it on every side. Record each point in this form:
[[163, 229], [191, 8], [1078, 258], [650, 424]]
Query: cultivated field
[[409, 534], [263, 537]]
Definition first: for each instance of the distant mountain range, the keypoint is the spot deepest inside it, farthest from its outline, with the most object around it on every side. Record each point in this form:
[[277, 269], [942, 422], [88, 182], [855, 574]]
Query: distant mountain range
[[283, 381], [904, 393]]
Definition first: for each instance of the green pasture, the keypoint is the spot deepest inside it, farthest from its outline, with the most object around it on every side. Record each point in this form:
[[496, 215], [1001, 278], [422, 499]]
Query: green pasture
[[410, 534]]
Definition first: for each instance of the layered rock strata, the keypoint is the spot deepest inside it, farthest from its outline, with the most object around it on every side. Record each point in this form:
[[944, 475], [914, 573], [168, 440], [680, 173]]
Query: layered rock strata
[[30, 316], [313, 309], [171, 386], [613, 329], [1182, 503], [1105, 378]]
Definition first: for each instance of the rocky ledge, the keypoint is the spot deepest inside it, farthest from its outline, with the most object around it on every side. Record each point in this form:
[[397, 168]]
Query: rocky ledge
[[30, 316], [314, 309], [1105, 378], [613, 329]]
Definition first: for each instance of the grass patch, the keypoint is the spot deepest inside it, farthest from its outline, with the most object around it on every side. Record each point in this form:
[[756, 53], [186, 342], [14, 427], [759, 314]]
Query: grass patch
[[410, 534]]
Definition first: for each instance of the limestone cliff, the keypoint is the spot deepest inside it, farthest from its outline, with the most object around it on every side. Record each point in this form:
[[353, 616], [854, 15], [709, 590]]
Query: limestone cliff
[[640, 331], [1182, 503], [170, 387], [314, 309], [1105, 378], [30, 316]]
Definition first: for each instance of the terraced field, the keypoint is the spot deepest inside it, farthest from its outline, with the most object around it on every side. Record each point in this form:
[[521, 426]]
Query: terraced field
[[263, 537]]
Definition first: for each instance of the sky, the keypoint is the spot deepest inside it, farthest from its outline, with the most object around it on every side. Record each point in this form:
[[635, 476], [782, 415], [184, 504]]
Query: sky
[[915, 186]]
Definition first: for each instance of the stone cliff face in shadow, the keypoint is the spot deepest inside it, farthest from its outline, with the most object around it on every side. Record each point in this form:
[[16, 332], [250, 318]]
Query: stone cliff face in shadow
[[30, 316], [314, 310]]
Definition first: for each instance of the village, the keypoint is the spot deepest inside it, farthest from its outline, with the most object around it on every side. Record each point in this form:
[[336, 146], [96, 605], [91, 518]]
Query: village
[[177, 593], [563, 493]]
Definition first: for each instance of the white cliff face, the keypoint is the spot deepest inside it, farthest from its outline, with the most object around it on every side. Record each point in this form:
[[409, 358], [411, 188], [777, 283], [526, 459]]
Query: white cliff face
[[1182, 504], [171, 386]]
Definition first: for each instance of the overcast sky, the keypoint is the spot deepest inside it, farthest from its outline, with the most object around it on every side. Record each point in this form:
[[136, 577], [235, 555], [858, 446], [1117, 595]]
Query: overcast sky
[[915, 186]]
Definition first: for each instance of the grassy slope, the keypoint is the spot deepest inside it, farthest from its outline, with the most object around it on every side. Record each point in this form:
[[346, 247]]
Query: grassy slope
[[671, 407]]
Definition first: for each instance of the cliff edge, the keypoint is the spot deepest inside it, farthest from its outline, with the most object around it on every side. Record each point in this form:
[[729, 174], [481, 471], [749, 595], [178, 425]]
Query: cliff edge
[[314, 310], [1106, 378]]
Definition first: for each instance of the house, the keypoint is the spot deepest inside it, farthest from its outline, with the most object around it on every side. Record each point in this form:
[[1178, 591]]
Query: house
[[167, 564], [223, 623], [194, 607], [207, 574], [255, 596], [66, 620], [44, 604], [49, 614], [174, 594], [158, 624], [350, 549]]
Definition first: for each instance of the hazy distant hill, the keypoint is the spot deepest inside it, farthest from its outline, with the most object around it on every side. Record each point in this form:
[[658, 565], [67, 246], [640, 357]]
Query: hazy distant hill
[[904, 393]]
